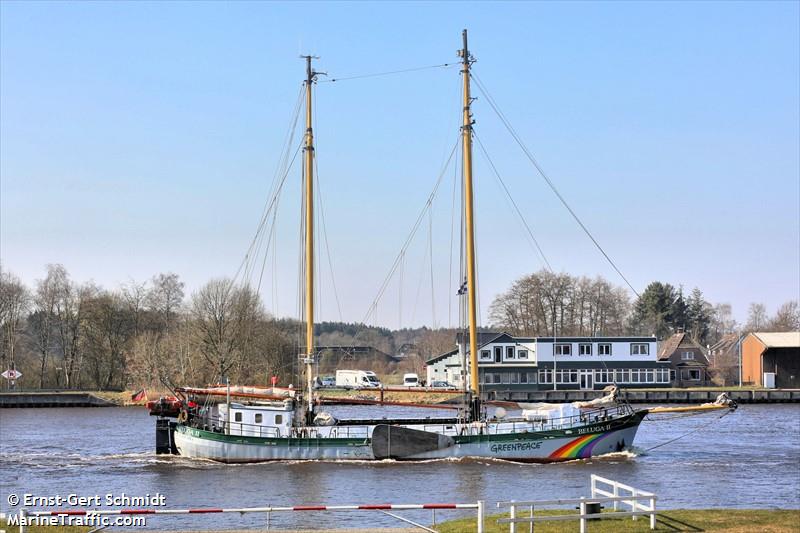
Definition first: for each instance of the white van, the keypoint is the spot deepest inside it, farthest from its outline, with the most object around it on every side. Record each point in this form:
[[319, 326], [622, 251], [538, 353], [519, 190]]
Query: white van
[[411, 380], [357, 379]]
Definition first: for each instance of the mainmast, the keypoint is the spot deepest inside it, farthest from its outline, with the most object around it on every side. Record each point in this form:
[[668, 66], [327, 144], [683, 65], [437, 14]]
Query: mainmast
[[472, 291], [308, 201]]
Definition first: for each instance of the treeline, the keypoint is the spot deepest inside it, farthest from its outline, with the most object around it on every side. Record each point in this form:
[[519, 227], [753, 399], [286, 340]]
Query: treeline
[[545, 304], [64, 334]]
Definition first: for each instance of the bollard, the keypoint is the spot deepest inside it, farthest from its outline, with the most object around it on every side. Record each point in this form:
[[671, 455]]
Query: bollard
[[481, 505], [583, 518], [512, 527], [23, 516]]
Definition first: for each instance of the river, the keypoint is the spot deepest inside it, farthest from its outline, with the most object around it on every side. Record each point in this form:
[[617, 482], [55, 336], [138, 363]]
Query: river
[[747, 459]]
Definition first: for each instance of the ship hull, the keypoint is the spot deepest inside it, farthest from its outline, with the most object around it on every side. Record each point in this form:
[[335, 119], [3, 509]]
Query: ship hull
[[579, 442]]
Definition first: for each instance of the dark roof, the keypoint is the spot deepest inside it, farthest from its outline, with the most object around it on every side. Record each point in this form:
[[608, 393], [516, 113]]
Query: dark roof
[[726, 343]]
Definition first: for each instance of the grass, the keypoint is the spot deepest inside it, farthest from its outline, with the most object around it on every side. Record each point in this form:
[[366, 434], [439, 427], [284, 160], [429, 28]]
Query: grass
[[729, 520]]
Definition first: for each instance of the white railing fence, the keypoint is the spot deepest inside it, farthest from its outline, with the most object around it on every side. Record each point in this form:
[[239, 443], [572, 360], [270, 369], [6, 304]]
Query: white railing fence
[[619, 495]]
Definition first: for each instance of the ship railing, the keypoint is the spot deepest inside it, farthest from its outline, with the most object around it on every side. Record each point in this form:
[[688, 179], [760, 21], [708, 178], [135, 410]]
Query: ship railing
[[603, 490]]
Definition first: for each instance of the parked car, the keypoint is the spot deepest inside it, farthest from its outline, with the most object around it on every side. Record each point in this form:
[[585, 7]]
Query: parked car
[[411, 380], [442, 385], [327, 381]]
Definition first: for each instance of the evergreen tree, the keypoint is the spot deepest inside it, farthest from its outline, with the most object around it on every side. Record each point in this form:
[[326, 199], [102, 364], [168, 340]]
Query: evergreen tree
[[659, 310], [698, 316]]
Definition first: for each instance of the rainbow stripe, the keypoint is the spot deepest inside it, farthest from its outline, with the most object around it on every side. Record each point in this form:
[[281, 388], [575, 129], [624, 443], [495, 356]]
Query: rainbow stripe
[[580, 448]]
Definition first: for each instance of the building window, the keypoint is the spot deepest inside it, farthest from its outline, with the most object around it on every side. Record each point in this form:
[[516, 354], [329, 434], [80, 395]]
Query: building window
[[278, 419], [523, 377], [522, 354], [604, 348], [563, 349], [259, 418], [640, 349], [515, 378], [510, 353], [651, 377], [237, 417], [545, 376], [506, 377], [532, 377], [498, 354], [687, 356], [585, 349], [691, 375], [486, 354]]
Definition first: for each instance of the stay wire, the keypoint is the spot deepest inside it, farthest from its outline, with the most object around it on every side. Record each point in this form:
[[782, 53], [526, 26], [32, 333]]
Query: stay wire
[[388, 73], [547, 179], [513, 202]]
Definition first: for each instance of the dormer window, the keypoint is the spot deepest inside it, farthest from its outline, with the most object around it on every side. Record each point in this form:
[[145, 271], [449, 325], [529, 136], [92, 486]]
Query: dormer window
[[510, 352], [522, 354], [687, 356], [585, 349], [563, 349], [640, 349], [604, 348]]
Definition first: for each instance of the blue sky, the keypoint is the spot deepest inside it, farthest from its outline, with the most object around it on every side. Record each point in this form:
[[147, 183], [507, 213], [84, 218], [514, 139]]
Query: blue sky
[[138, 138]]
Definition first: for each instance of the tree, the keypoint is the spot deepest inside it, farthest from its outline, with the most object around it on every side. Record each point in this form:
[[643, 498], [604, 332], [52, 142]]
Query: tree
[[14, 303], [756, 317], [787, 318], [659, 310], [722, 321], [698, 315], [223, 317], [165, 297], [109, 326], [544, 303], [43, 320]]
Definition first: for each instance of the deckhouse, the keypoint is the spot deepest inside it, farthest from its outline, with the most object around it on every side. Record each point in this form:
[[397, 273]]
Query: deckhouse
[[508, 364]]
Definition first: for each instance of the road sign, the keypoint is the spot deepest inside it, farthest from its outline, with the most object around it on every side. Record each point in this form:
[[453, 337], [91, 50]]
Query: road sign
[[11, 374]]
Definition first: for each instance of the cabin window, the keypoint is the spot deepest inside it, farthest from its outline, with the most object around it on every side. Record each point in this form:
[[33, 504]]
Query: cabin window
[[510, 352], [486, 354], [498, 354], [585, 349], [237, 417], [563, 349], [278, 419], [522, 354], [640, 349], [687, 356], [259, 418], [604, 348]]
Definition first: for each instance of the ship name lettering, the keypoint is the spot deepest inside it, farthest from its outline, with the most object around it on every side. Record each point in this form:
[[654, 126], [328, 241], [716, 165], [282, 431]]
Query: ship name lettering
[[516, 446]]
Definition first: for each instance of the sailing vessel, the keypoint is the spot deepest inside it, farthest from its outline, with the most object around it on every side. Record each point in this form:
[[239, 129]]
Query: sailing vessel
[[272, 424]]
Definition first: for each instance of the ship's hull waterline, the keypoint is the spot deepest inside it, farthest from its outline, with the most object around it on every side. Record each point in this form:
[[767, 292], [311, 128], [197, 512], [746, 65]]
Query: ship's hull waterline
[[541, 447]]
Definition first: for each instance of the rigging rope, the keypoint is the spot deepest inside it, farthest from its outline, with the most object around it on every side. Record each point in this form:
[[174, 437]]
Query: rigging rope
[[513, 202], [388, 73], [549, 182], [695, 430]]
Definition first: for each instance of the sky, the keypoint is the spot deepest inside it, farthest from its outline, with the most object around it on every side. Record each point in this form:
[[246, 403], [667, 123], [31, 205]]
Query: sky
[[139, 138]]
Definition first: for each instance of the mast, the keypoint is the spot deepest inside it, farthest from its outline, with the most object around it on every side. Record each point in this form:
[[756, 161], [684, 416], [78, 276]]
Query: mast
[[309, 241], [472, 292]]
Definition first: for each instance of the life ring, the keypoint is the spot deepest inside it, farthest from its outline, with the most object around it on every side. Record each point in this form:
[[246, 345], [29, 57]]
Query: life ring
[[183, 416]]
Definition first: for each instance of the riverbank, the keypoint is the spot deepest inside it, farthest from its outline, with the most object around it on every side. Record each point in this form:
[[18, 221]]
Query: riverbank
[[65, 398], [730, 520]]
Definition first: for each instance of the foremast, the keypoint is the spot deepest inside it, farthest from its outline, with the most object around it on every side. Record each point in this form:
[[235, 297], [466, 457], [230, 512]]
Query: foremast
[[308, 201], [469, 217]]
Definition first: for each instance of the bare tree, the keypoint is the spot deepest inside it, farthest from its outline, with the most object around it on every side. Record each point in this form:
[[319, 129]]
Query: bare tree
[[14, 304], [43, 320], [787, 318], [756, 317], [223, 317]]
